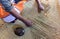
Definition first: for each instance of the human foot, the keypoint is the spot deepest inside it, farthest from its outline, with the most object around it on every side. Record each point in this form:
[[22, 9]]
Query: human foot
[[40, 6]]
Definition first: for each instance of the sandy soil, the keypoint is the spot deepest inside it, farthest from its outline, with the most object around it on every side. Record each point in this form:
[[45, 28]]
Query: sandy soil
[[46, 24]]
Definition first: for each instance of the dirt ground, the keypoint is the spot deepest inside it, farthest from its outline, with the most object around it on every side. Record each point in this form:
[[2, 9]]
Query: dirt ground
[[46, 24]]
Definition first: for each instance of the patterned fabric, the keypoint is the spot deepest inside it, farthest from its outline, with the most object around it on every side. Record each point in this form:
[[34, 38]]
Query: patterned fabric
[[6, 4]]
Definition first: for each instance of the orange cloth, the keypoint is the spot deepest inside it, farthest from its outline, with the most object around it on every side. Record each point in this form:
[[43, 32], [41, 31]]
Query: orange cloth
[[3, 13], [19, 5]]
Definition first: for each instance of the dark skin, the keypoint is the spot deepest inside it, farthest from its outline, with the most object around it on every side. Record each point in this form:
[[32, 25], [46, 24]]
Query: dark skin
[[27, 22], [40, 7], [18, 16], [24, 20]]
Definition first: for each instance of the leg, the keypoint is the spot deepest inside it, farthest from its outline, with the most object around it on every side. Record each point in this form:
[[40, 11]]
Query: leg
[[40, 6], [17, 12]]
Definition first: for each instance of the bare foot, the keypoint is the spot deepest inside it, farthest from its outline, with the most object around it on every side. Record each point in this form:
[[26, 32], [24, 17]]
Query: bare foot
[[40, 6]]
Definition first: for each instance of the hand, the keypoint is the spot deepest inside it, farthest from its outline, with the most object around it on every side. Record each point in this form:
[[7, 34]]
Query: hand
[[28, 23]]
